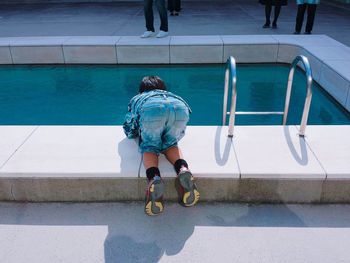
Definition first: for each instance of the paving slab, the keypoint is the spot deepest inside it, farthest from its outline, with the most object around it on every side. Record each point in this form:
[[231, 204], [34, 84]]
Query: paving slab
[[73, 163], [76, 151], [196, 49], [255, 53], [340, 66], [11, 138], [317, 40], [334, 84], [5, 55], [331, 151], [136, 50], [327, 53], [276, 151], [90, 50], [248, 39]]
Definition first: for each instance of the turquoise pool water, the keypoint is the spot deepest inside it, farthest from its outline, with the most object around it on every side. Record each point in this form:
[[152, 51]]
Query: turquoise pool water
[[98, 95]]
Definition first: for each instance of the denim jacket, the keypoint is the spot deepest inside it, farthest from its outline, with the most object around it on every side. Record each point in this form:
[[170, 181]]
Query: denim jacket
[[131, 122]]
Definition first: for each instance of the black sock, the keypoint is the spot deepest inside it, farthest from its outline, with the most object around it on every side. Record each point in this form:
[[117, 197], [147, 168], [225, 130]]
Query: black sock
[[152, 172], [179, 164]]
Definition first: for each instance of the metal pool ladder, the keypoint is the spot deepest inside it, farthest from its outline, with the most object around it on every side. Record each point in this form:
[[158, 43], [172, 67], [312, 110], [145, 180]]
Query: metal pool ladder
[[231, 71]]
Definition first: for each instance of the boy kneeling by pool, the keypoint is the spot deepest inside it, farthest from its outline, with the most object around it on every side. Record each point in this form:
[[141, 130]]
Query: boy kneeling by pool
[[159, 119]]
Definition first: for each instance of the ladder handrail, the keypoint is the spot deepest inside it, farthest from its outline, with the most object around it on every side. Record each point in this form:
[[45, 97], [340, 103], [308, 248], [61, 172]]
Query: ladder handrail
[[307, 103], [230, 70]]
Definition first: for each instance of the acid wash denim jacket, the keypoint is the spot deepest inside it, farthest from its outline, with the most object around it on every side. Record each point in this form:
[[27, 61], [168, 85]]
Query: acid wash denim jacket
[[131, 122]]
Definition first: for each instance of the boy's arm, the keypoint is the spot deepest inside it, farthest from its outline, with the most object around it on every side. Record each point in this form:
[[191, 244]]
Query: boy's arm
[[130, 125]]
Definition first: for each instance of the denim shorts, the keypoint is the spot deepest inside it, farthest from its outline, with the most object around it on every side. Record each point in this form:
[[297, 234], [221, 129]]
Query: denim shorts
[[162, 122]]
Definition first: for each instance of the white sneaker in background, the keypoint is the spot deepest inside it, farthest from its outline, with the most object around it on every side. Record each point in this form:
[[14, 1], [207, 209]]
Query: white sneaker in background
[[162, 34], [148, 34]]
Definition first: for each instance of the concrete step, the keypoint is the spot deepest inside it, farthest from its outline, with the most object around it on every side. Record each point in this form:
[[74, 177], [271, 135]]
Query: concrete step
[[97, 163]]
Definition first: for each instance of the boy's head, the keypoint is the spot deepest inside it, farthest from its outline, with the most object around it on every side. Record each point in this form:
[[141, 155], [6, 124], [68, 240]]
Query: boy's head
[[150, 83]]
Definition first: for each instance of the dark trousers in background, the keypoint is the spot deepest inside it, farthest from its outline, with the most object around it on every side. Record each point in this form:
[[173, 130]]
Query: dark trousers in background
[[174, 5], [148, 9], [268, 9], [311, 11]]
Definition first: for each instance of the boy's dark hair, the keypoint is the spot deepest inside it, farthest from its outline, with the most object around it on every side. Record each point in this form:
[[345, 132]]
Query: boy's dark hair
[[150, 83]]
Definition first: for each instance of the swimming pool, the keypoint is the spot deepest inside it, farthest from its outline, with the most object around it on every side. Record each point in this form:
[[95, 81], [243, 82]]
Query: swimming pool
[[98, 95]]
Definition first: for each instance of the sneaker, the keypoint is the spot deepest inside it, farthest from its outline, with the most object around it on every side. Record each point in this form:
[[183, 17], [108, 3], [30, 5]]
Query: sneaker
[[162, 34], [190, 192], [147, 34], [154, 197]]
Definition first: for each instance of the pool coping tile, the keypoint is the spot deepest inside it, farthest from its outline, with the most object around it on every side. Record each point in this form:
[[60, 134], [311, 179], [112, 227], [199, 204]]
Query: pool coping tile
[[38, 41], [347, 103], [330, 53], [331, 145], [5, 55], [249, 39], [92, 41], [288, 52], [11, 139], [130, 41], [34, 54], [5, 41], [148, 54], [339, 66], [196, 41], [75, 152], [259, 154], [255, 53], [308, 40], [334, 84], [90, 54]]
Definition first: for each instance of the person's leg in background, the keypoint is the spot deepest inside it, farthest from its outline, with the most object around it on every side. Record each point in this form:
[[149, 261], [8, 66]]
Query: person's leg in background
[[300, 18], [171, 7], [177, 7], [148, 12], [311, 11], [163, 18], [268, 8], [276, 15]]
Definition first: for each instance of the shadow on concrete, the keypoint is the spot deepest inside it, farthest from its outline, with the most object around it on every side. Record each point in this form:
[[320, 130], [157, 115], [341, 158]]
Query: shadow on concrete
[[301, 158], [130, 158], [134, 237], [222, 157]]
